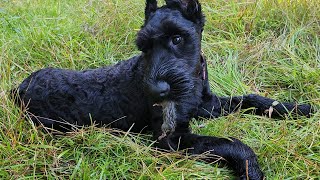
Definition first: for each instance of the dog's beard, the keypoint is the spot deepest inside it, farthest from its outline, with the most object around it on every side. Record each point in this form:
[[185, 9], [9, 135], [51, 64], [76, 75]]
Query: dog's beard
[[169, 118]]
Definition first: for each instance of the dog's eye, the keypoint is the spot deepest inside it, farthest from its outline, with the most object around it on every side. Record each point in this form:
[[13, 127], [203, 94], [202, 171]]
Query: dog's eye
[[176, 39]]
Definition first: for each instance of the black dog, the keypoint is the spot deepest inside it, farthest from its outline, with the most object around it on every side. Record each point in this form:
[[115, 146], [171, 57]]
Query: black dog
[[159, 90]]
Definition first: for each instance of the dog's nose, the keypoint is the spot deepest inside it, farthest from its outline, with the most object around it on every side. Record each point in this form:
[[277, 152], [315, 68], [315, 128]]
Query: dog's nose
[[161, 89], [164, 88]]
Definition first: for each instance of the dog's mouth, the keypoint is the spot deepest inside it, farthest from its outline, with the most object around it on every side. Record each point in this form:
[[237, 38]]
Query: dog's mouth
[[169, 118]]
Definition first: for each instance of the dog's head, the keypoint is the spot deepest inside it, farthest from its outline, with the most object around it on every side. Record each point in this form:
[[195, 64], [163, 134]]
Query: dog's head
[[170, 40]]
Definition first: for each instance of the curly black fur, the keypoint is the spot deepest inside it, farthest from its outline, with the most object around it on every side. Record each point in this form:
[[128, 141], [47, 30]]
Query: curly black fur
[[170, 72]]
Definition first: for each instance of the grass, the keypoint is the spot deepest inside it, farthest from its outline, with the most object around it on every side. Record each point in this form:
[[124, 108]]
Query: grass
[[267, 47]]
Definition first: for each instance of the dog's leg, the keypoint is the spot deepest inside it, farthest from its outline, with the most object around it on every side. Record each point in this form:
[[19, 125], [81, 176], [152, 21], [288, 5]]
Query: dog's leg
[[218, 106], [236, 154]]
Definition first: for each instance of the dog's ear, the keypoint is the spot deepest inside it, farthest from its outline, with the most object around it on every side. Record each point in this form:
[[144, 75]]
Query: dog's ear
[[151, 6], [190, 8]]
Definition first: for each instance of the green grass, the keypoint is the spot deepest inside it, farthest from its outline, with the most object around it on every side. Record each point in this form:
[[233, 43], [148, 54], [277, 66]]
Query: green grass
[[267, 47]]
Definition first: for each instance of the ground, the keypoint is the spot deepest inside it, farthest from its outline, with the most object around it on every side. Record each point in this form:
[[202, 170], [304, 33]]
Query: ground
[[264, 47]]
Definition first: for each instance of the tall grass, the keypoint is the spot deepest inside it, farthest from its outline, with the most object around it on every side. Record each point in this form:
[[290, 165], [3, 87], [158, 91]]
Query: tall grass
[[267, 47]]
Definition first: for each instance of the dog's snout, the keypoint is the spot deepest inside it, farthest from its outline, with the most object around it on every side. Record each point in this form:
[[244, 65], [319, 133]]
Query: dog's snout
[[160, 90]]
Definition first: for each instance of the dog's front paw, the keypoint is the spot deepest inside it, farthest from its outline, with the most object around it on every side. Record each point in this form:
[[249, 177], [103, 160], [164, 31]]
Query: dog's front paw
[[252, 172], [305, 110], [252, 177]]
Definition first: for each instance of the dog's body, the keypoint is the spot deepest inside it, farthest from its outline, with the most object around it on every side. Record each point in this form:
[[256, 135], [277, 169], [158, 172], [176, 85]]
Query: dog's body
[[73, 97], [159, 90]]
